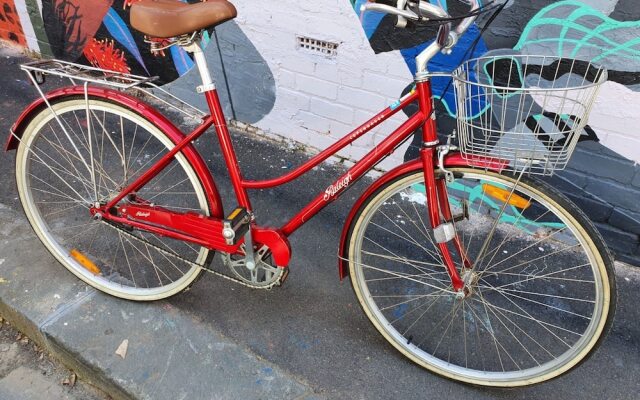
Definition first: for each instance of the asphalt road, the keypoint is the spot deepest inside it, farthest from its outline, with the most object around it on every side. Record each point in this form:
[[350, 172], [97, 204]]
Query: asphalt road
[[313, 326]]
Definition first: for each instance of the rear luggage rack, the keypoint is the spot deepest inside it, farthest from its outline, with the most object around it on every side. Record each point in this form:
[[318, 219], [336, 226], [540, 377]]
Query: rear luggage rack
[[79, 74]]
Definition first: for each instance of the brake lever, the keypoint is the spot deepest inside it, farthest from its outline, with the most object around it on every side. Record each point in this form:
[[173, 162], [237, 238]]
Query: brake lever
[[443, 35]]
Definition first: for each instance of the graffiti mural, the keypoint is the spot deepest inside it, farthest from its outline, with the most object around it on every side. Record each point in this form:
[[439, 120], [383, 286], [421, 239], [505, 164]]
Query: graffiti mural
[[384, 36], [96, 32], [602, 32], [10, 25], [238, 68], [576, 30], [264, 78], [567, 28], [71, 24]]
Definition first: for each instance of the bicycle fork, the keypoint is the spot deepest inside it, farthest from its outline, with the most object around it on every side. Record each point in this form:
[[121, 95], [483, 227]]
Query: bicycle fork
[[440, 216]]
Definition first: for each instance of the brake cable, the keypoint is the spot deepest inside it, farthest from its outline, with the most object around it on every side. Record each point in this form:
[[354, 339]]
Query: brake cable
[[498, 9]]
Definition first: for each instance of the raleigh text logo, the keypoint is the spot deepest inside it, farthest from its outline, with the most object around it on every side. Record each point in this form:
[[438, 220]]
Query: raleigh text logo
[[142, 214], [336, 187]]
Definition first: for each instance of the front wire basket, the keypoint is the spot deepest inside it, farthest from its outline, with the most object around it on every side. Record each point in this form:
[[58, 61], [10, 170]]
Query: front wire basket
[[527, 110]]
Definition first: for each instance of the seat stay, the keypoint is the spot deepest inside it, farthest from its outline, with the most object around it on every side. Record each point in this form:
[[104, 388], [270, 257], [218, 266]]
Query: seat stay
[[162, 163]]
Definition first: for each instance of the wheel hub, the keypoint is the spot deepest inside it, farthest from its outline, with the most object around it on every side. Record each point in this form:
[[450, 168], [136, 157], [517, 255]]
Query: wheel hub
[[470, 279]]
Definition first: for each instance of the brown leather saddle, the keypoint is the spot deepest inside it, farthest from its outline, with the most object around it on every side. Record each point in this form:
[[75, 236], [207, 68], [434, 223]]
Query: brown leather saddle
[[169, 18]]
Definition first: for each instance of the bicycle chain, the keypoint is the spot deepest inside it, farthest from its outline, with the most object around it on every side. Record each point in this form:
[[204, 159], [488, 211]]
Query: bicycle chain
[[202, 267]]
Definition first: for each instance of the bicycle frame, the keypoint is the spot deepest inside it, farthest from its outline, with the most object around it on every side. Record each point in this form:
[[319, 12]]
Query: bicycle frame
[[241, 185], [436, 191], [207, 231], [398, 273]]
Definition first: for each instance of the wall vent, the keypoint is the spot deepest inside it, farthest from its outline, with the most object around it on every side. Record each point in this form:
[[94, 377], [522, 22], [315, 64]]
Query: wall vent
[[317, 46]]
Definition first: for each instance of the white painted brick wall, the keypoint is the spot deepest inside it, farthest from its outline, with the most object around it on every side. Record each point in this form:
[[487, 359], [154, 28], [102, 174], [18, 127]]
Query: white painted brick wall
[[318, 99], [286, 79], [362, 99], [615, 118], [314, 122], [382, 83], [336, 95], [316, 87], [332, 110], [295, 98]]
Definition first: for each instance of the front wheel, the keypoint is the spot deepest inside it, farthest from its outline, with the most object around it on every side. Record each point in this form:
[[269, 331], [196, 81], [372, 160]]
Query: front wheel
[[540, 290]]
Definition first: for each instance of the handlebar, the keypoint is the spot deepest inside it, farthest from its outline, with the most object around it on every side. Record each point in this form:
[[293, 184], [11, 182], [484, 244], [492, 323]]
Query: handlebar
[[466, 23], [427, 10], [390, 10], [423, 11]]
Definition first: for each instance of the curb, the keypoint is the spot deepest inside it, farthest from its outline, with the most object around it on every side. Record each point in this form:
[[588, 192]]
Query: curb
[[170, 355]]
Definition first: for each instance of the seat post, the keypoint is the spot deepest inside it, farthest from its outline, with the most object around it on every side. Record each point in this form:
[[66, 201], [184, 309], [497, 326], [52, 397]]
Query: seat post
[[220, 124], [201, 62]]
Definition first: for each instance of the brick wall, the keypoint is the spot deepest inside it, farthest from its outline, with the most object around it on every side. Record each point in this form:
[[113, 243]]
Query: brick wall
[[314, 99]]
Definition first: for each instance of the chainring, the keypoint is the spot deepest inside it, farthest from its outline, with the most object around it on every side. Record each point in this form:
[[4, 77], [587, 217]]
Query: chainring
[[265, 275]]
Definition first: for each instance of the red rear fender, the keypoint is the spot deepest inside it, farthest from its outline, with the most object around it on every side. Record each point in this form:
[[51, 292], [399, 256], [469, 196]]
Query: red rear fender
[[139, 107]]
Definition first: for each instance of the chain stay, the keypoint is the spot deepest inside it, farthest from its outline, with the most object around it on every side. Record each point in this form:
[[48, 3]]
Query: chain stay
[[202, 267]]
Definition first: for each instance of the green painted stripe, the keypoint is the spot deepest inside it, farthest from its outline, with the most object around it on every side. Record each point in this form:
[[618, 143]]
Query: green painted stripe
[[38, 27], [568, 23]]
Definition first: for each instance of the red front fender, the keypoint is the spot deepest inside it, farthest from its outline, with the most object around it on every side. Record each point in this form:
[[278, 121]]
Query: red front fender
[[137, 106], [451, 160]]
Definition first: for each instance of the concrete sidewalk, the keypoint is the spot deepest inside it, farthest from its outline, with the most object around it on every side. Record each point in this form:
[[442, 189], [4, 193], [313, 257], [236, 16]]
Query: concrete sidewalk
[[170, 355], [29, 373]]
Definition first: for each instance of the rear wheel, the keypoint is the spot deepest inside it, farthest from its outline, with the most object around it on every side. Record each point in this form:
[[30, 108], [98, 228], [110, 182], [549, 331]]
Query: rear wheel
[[72, 159], [540, 293]]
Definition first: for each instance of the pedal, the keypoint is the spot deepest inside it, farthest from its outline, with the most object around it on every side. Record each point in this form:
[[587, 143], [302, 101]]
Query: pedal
[[235, 225], [284, 277]]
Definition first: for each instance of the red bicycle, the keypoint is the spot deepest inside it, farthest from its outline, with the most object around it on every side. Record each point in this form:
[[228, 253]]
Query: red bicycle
[[462, 259]]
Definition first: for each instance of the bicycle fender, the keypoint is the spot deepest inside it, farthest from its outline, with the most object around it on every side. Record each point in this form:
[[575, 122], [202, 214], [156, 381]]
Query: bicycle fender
[[450, 160], [142, 108]]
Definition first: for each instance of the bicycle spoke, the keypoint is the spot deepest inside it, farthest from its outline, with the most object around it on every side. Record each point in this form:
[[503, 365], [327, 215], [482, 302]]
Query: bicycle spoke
[[510, 238], [126, 257], [543, 324], [425, 232], [528, 300], [405, 260], [546, 276], [416, 298], [393, 254], [117, 144], [430, 305], [399, 275], [431, 253], [536, 259], [509, 330]]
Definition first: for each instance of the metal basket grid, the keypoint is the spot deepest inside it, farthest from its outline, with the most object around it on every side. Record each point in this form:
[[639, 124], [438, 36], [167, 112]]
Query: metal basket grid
[[527, 110]]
